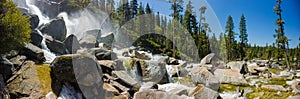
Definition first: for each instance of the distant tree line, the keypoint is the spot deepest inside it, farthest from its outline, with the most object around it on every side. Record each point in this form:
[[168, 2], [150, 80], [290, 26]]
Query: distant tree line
[[141, 19]]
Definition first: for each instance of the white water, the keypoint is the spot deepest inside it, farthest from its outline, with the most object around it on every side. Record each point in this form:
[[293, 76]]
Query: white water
[[170, 86], [43, 20], [69, 92], [47, 53], [35, 10]]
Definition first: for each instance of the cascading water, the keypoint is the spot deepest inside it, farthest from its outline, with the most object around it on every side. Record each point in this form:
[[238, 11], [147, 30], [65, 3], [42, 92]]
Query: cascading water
[[47, 53], [43, 20]]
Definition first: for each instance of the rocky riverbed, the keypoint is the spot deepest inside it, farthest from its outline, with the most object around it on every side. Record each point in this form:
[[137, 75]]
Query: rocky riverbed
[[57, 65]]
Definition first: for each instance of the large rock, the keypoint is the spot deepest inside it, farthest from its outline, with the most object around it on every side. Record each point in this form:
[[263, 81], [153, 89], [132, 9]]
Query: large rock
[[172, 61], [274, 87], [72, 44], [29, 82], [207, 59], [51, 8], [239, 66], [136, 54], [125, 79], [102, 54], [262, 62], [56, 28], [90, 39], [176, 71], [107, 38], [36, 38], [17, 61], [110, 91], [156, 94], [230, 76], [55, 46], [294, 97], [34, 21], [79, 70], [147, 70], [153, 71], [251, 68], [202, 92], [200, 75], [6, 68], [296, 87], [261, 69], [107, 66], [3, 91], [33, 52]]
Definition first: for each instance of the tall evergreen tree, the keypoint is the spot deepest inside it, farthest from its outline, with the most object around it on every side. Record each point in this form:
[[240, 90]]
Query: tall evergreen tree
[[230, 41], [141, 10], [243, 37], [202, 40], [177, 8], [187, 22], [281, 39], [134, 8], [148, 9]]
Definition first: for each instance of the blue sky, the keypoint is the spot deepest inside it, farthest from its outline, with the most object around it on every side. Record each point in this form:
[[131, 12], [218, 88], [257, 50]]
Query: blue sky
[[260, 18]]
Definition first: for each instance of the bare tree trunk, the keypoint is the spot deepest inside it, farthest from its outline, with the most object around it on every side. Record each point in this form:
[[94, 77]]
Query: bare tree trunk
[[286, 59]]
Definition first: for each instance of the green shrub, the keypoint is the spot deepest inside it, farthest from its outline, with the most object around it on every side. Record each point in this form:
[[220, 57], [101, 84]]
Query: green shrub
[[14, 28]]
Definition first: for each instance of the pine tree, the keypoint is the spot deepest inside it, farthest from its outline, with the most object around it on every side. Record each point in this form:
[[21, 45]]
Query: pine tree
[[202, 40], [187, 22], [177, 8], [281, 39], [243, 37], [230, 41], [140, 10], [134, 8], [148, 9]]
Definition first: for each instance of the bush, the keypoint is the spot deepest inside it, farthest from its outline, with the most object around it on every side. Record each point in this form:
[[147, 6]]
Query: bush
[[14, 28]]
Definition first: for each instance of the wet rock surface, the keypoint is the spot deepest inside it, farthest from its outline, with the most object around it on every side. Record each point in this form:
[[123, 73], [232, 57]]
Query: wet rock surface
[[56, 28]]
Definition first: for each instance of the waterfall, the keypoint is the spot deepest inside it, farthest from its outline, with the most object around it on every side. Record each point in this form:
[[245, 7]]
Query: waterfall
[[47, 53], [35, 10], [43, 20]]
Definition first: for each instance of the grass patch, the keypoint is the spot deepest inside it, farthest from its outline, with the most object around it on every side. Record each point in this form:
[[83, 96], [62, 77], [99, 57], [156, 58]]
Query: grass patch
[[273, 70], [230, 87], [43, 72], [268, 94], [184, 80], [277, 81]]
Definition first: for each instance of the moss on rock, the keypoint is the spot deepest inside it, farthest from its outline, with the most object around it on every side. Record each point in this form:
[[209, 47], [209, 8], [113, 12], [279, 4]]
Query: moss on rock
[[43, 72]]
